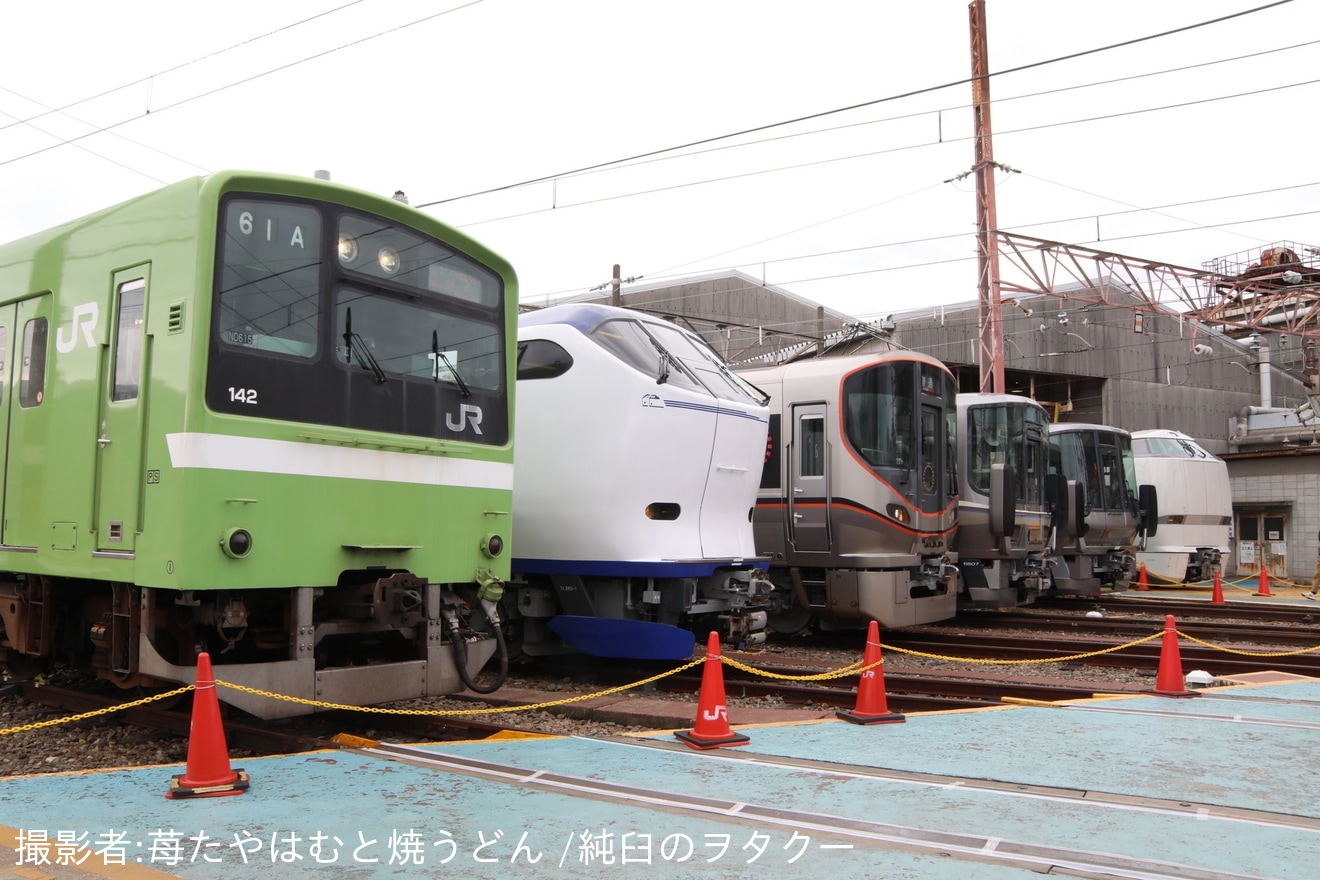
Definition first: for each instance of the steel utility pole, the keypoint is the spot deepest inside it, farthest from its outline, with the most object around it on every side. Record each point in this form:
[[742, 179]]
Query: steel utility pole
[[991, 338]]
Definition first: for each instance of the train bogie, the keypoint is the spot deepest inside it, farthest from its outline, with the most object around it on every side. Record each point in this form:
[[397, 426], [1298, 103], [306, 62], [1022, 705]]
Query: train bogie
[[858, 502], [636, 476], [240, 403]]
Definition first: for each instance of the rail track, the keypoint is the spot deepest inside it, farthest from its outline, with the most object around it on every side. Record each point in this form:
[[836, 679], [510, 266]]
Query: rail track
[[302, 734], [1156, 606], [1255, 635], [1236, 649]]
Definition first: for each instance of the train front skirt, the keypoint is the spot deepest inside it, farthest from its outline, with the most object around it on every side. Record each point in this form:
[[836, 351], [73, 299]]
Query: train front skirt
[[632, 639]]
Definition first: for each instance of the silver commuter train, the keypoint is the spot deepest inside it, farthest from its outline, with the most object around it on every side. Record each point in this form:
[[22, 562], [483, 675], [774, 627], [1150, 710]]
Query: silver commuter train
[[858, 501], [1102, 515], [633, 490], [1196, 506], [1004, 509]]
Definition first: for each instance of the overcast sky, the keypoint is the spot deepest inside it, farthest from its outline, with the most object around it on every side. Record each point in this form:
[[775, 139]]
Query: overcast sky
[[1181, 148]]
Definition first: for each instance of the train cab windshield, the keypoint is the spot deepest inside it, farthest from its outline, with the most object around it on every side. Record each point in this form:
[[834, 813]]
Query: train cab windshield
[[1011, 435], [336, 317], [675, 357], [1102, 462], [1169, 447], [903, 416]]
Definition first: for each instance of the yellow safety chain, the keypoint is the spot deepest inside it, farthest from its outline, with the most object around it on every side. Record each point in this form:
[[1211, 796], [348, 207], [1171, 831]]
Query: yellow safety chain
[[490, 710], [1246, 582], [1249, 653], [95, 712], [1070, 657], [841, 672]]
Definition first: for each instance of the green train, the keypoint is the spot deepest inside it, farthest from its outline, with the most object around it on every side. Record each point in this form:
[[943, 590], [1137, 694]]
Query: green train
[[265, 417]]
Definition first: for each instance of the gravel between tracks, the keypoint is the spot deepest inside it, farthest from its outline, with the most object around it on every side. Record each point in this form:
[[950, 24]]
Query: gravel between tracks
[[103, 742]]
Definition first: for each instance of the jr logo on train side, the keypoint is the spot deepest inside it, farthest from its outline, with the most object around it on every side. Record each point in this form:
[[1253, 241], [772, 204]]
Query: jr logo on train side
[[85, 316]]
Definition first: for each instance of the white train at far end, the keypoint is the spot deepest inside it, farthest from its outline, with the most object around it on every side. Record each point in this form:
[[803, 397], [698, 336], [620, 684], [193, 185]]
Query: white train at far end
[[1195, 506]]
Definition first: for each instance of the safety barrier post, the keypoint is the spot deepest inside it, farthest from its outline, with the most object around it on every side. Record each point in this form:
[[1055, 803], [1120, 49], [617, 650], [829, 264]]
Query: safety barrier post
[[208, 773], [872, 706], [712, 730], [1264, 589], [1169, 682]]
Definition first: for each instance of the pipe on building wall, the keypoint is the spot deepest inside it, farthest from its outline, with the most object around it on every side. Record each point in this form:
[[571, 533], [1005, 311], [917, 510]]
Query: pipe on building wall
[[1266, 380], [1281, 435]]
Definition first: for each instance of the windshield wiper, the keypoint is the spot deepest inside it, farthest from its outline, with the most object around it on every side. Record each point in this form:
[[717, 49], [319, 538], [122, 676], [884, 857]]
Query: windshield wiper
[[365, 358], [665, 361], [441, 356]]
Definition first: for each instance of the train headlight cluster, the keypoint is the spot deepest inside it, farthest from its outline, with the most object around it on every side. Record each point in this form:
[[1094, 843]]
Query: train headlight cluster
[[899, 514], [492, 545], [236, 543], [389, 260]]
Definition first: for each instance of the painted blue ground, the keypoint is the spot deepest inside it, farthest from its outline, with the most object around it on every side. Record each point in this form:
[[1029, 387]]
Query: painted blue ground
[[363, 802], [1243, 756]]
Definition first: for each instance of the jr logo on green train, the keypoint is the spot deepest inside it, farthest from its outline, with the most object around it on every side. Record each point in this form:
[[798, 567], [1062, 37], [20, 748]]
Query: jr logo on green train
[[84, 315]]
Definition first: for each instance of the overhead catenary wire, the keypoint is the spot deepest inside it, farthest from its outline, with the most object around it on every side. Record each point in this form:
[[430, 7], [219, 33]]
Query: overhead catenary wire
[[242, 81], [885, 99]]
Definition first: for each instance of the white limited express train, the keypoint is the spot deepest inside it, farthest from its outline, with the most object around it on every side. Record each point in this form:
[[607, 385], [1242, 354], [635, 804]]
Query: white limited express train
[[634, 481]]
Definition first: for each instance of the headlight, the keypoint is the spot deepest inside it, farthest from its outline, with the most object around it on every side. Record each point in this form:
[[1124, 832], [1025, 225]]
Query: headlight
[[348, 249], [236, 543], [389, 261]]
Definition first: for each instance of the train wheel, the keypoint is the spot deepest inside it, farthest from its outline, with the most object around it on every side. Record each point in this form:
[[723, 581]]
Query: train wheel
[[21, 667], [790, 620]]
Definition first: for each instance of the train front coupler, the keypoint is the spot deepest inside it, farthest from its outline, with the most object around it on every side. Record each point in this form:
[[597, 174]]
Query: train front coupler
[[748, 593], [1204, 563], [933, 573], [744, 629]]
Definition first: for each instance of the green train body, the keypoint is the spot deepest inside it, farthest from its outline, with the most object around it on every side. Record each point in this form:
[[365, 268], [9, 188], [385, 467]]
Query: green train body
[[264, 417]]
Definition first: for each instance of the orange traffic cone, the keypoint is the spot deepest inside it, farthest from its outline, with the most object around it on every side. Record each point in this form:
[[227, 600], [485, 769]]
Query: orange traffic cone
[[872, 707], [208, 773], [1217, 595], [1264, 588], [1141, 577], [711, 730], [1169, 682]]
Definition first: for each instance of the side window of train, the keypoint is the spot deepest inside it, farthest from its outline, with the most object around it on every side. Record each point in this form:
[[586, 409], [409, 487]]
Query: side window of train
[[32, 379], [128, 340], [542, 359], [811, 462]]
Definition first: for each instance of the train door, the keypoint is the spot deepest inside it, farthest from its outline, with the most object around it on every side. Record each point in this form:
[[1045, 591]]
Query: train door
[[24, 429], [119, 484], [1260, 540], [808, 489], [930, 483], [723, 522], [7, 318]]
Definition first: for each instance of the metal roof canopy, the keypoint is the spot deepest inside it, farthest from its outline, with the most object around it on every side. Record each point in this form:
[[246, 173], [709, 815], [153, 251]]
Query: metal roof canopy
[[1285, 298]]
